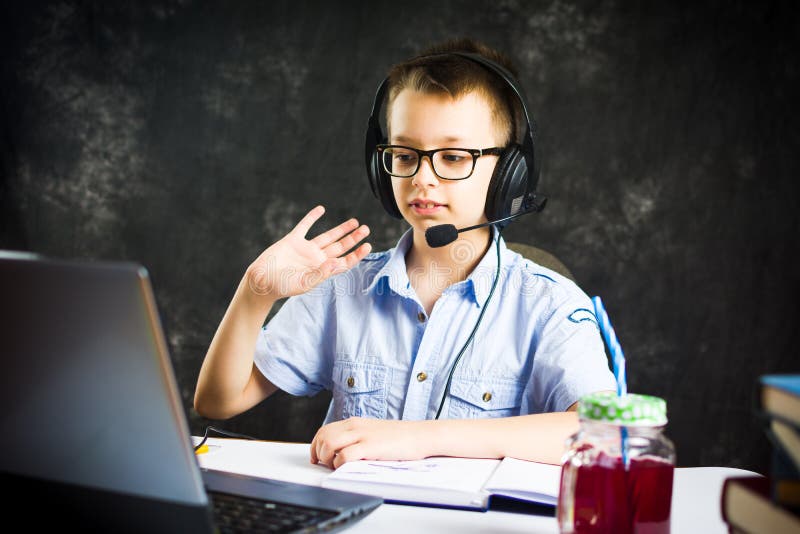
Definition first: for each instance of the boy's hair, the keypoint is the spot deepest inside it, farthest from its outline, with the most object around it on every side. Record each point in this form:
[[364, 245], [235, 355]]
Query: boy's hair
[[457, 76]]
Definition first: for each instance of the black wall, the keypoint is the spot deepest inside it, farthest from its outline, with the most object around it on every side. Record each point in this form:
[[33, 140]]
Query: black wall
[[189, 135]]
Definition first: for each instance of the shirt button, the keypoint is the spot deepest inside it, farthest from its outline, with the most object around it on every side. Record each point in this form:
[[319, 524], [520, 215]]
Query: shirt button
[[487, 397], [421, 317], [351, 382], [421, 377]]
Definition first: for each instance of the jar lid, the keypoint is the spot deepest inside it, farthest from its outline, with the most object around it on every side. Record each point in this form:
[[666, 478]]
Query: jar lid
[[629, 410]]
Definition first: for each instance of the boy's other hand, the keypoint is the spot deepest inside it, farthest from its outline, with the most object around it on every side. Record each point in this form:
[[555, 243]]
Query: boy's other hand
[[295, 264], [359, 438]]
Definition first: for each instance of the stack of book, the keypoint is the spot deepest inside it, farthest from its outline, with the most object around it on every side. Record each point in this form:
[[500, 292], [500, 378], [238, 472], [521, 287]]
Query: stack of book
[[771, 504]]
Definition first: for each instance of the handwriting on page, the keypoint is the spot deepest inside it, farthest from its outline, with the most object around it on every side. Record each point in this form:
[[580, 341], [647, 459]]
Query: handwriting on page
[[402, 466], [455, 473]]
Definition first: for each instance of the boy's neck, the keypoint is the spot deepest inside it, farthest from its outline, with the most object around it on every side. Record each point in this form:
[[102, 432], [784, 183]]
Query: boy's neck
[[449, 264]]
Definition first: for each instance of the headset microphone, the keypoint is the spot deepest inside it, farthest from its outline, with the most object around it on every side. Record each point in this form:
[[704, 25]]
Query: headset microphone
[[444, 234]]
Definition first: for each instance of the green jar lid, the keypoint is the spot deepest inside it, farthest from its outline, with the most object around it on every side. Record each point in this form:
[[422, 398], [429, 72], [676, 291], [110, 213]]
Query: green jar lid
[[628, 410]]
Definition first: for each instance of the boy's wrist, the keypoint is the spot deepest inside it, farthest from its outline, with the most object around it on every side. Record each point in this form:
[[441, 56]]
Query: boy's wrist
[[254, 294], [433, 437], [473, 438], [258, 283]]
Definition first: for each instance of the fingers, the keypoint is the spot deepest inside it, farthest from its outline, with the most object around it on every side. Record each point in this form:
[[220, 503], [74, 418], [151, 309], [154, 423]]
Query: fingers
[[335, 241], [357, 451], [308, 221], [337, 248], [350, 261], [312, 277], [332, 235], [329, 440], [335, 266], [332, 267], [313, 448]]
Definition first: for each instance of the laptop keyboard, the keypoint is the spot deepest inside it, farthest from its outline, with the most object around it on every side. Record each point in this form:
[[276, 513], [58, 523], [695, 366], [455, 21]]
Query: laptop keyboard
[[236, 513]]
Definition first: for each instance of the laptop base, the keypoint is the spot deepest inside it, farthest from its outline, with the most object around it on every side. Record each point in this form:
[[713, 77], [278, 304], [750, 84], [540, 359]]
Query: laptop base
[[58, 506]]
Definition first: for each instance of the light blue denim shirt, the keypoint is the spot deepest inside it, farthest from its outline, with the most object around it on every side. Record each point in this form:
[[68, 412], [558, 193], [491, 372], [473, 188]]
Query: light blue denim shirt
[[365, 336]]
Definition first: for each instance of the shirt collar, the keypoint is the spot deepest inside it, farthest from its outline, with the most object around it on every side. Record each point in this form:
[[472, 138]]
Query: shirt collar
[[394, 270], [478, 283]]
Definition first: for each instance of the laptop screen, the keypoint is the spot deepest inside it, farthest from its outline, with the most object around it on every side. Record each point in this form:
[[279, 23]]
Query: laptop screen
[[87, 391]]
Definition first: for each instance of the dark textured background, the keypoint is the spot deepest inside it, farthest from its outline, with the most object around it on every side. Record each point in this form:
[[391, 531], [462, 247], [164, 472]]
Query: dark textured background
[[189, 135]]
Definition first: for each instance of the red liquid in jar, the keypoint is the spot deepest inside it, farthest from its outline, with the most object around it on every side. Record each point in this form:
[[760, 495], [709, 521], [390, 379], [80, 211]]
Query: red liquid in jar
[[609, 499]]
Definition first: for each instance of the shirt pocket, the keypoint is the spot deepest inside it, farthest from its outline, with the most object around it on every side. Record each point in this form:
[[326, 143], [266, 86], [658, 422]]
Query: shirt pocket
[[483, 398], [359, 390]]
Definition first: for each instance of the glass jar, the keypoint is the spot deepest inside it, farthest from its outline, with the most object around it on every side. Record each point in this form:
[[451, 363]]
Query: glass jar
[[616, 475]]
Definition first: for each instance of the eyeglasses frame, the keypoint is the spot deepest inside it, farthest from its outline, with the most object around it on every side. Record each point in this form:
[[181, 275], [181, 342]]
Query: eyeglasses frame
[[474, 152]]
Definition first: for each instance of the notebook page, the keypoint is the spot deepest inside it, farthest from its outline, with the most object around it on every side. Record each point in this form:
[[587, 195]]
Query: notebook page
[[530, 481]]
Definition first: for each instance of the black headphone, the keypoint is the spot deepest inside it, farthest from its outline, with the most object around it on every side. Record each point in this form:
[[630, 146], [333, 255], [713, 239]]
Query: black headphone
[[515, 176]]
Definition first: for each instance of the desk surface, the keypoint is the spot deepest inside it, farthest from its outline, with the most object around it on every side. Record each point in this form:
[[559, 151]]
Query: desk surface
[[695, 498]]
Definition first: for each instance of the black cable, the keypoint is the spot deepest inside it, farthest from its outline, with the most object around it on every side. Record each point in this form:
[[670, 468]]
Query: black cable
[[227, 433], [474, 329]]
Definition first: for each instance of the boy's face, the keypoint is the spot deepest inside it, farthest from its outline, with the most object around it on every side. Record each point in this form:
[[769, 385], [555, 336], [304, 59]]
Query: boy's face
[[427, 121]]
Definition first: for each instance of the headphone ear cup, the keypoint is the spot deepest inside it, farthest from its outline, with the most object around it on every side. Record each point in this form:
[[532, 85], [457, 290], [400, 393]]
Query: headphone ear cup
[[373, 170], [383, 187], [508, 185]]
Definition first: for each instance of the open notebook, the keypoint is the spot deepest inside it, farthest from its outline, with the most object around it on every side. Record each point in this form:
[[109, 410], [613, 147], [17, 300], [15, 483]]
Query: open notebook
[[450, 482], [466, 483]]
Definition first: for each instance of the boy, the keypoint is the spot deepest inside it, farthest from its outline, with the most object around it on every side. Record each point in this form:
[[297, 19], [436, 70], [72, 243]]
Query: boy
[[384, 333]]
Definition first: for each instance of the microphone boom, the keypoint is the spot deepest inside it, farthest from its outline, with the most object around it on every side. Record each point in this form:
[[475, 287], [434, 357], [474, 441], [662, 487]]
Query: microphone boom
[[444, 234]]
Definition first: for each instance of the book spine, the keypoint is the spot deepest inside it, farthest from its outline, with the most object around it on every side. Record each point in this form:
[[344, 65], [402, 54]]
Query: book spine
[[785, 475], [723, 505], [787, 494], [782, 431]]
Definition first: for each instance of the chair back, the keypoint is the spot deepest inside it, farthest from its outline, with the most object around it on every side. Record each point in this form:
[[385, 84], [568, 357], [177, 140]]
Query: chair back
[[542, 257]]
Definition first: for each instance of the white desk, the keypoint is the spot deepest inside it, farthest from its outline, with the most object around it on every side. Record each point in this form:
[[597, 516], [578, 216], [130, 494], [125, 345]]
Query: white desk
[[695, 497]]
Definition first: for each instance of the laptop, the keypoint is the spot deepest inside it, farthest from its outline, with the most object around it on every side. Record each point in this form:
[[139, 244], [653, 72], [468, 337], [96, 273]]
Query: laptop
[[93, 433]]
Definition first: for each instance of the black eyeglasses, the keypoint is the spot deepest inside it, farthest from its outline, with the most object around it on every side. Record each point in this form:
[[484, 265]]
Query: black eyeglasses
[[447, 163]]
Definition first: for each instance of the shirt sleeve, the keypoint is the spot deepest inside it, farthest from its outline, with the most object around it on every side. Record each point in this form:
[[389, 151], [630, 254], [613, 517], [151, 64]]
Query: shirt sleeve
[[292, 350], [569, 359]]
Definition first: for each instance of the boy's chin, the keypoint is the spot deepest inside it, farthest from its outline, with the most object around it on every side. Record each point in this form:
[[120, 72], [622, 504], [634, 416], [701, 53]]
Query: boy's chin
[[422, 226]]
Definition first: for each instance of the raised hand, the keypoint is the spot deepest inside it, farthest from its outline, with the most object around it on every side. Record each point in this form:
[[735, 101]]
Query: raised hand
[[295, 264]]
